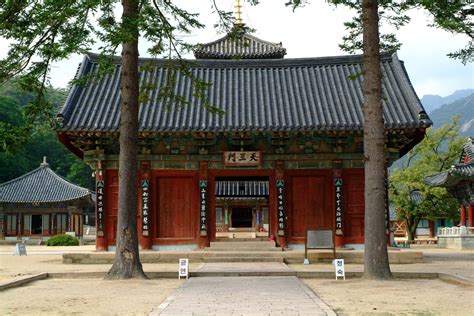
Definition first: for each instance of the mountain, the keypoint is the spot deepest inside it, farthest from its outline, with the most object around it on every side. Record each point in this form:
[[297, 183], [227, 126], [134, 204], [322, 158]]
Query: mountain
[[432, 102], [464, 108]]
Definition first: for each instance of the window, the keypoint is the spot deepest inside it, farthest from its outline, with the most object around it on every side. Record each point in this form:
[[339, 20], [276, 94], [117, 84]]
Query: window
[[26, 224], [11, 225], [423, 223], [218, 214], [61, 226]]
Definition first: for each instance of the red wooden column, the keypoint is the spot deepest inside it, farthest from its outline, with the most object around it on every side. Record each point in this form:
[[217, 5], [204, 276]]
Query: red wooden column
[[100, 208], [204, 232], [470, 215], [463, 216], [281, 210], [144, 218], [338, 203], [432, 228]]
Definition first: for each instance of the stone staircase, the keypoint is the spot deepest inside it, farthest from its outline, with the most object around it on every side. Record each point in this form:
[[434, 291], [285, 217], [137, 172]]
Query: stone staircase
[[244, 250]]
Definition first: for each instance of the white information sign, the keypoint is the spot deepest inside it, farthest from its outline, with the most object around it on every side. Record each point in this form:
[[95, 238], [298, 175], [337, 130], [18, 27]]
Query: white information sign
[[20, 249], [339, 268], [183, 268]]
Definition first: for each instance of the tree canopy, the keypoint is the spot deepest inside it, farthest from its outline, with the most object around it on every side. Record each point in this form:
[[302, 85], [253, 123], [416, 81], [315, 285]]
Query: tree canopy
[[414, 199]]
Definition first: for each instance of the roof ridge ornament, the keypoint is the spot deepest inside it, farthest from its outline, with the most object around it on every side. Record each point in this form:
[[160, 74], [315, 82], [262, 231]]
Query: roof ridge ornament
[[238, 13], [44, 164]]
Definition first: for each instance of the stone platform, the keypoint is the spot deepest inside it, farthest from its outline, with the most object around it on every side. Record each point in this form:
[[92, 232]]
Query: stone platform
[[293, 256]]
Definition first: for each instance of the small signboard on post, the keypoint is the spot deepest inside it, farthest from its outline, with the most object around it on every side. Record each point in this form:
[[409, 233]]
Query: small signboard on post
[[183, 268], [20, 249], [339, 268]]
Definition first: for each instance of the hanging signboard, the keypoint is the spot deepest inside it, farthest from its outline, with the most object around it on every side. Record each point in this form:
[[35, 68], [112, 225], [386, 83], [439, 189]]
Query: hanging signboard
[[203, 207], [338, 200], [242, 158], [280, 185], [100, 207], [145, 207], [339, 268], [183, 268]]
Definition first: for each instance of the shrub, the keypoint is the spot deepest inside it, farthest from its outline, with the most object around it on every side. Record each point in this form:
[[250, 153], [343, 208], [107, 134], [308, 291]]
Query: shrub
[[63, 240]]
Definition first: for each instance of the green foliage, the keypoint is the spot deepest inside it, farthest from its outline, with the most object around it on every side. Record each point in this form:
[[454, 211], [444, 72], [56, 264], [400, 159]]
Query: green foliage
[[62, 240], [29, 152], [438, 151]]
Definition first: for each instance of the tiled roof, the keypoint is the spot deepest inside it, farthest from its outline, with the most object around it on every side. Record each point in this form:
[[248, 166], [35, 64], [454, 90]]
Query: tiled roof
[[452, 176], [264, 94], [41, 185], [242, 188], [243, 46]]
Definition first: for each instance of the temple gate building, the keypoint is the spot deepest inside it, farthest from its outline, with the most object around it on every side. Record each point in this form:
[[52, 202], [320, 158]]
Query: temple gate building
[[286, 156]]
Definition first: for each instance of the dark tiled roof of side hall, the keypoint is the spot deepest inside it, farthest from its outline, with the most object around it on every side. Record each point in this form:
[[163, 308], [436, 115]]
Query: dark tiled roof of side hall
[[322, 93], [41, 185], [239, 46], [452, 176]]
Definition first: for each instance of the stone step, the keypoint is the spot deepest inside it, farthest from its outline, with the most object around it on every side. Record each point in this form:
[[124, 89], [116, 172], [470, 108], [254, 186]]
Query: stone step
[[244, 249], [242, 244], [242, 259], [224, 240], [243, 254]]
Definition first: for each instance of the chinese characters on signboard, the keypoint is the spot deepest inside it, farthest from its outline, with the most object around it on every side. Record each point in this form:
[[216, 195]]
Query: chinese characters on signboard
[[183, 268], [242, 158], [145, 207], [338, 190], [280, 185], [203, 207], [339, 268], [100, 207]]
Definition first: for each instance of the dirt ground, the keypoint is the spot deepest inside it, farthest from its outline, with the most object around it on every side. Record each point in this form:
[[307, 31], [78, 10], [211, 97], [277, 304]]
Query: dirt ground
[[395, 297], [138, 297], [87, 297]]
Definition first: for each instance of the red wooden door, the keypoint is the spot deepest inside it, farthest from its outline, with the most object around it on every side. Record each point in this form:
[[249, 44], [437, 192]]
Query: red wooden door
[[177, 207], [309, 205]]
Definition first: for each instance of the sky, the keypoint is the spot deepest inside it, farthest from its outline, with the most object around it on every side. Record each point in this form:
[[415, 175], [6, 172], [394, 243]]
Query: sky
[[315, 31]]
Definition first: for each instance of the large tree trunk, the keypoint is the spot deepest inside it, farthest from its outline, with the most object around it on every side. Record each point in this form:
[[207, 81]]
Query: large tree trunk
[[376, 264], [127, 261]]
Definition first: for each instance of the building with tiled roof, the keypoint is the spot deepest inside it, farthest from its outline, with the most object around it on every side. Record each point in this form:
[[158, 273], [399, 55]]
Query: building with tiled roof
[[459, 181], [40, 204], [266, 167]]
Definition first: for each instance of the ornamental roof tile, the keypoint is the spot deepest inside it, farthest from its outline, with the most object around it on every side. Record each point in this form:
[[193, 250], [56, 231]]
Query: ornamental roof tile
[[266, 94], [239, 46], [41, 185]]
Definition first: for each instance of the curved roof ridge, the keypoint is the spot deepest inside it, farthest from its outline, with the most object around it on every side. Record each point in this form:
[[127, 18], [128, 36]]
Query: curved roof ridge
[[41, 185]]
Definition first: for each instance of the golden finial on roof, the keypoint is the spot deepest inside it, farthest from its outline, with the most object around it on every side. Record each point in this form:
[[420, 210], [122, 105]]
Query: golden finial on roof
[[238, 13]]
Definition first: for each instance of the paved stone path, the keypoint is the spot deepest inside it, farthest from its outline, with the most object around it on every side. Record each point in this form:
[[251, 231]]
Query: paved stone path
[[243, 296]]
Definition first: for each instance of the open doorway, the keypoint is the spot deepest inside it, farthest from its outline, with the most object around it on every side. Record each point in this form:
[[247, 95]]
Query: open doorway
[[242, 207], [242, 217], [36, 224]]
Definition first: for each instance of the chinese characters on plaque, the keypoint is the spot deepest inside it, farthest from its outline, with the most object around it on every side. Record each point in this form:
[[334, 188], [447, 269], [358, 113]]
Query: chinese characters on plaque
[[280, 185], [242, 158], [100, 207], [338, 190], [145, 207], [203, 207]]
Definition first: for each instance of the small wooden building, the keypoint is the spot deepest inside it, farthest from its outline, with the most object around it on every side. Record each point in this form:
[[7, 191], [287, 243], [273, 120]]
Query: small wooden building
[[41, 204], [286, 156]]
